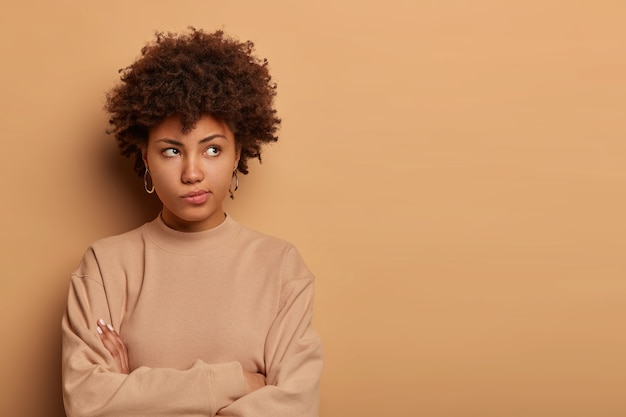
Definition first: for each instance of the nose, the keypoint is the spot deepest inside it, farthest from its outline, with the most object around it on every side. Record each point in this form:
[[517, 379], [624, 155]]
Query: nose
[[192, 171]]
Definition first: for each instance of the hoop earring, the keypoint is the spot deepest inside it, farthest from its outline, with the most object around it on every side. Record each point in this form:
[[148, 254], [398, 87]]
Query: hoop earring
[[145, 182], [231, 191]]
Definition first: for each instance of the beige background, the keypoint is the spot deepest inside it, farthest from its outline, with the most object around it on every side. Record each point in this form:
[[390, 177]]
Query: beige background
[[454, 173]]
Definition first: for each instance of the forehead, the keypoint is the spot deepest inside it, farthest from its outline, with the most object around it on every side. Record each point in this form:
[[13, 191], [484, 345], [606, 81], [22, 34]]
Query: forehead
[[172, 128]]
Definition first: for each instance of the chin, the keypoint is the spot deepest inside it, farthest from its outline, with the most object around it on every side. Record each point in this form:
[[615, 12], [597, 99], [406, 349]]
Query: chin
[[198, 217]]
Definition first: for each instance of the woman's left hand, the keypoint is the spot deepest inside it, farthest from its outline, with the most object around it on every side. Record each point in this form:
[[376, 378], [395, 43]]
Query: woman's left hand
[[114, 344]]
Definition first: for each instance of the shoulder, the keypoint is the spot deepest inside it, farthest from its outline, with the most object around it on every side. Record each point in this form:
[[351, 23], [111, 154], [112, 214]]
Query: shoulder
[[251, 236], [120, 243], [265, 248], [103, 250]]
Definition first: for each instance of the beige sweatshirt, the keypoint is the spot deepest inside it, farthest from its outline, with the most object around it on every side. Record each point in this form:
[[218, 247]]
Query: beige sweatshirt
[[194, 310]]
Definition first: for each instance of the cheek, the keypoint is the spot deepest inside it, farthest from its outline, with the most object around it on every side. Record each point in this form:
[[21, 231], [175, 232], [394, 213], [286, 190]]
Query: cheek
[[221, 171], [159, 174], [223, 177], [164, 178]]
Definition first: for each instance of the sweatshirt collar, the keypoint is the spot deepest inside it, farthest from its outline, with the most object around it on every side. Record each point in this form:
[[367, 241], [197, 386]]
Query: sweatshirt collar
[[192, 243]]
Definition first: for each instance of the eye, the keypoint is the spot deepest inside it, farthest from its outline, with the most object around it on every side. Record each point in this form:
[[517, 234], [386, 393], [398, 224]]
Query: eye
[[212, 151], [171, 152]]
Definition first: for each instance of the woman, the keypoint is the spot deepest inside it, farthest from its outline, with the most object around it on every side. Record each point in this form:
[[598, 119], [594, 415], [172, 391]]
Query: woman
[[192, 314]]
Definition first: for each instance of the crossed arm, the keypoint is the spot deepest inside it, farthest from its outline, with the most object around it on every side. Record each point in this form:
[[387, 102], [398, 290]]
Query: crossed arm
[[97, 379], [114, 344]]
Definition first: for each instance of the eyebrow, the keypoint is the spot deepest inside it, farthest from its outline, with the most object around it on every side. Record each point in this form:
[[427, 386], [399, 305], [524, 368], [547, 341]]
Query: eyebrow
[[207, 139]]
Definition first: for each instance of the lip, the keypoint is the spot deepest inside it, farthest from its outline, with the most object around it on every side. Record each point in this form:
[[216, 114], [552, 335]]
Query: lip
[[196, 197]]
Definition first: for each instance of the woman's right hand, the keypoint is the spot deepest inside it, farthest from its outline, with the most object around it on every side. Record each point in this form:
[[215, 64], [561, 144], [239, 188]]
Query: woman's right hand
[[114, 344], [254, 381]]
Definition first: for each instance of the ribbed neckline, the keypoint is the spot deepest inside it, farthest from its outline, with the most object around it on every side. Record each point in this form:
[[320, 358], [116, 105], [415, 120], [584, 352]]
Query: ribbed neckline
[[192, 243]]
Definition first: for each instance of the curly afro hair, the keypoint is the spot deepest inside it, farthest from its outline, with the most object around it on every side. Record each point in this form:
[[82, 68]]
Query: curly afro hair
[[193, 74]]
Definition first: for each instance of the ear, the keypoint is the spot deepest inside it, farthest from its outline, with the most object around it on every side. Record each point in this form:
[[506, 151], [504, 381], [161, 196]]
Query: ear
[[237, 156], [144, 157]]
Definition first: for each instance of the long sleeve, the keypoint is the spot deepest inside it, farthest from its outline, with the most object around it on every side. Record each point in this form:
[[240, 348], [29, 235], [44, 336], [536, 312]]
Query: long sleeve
[[293, 353], [91, 387]]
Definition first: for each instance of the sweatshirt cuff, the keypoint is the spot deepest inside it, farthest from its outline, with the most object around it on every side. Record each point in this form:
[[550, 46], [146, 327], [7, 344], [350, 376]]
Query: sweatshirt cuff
[[227, 383]]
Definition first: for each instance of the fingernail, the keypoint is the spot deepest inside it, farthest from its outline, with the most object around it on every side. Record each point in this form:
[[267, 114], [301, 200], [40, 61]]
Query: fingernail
[[102, 323], [99, 330], [110, 327]]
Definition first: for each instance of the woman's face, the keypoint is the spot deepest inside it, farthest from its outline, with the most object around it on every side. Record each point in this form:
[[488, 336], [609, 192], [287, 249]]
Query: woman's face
[[192, 171]]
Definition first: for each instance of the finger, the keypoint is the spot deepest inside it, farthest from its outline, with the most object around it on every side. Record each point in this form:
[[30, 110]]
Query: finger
[[109, 344], [109, 331], [121, 346], [108, 339], [113, 339], [116, 349], [114, 344]]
